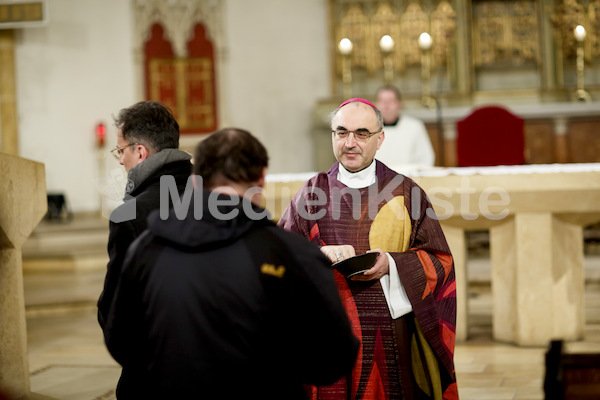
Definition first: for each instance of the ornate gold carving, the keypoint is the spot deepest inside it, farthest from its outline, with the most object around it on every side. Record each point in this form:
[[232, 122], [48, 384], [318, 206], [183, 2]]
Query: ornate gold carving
[[594, 28], [355, 26], [385, 22], [565, 18], [414, 22], [365, 22], [443, 28], [505, 33], [488, 32], [524, 33]]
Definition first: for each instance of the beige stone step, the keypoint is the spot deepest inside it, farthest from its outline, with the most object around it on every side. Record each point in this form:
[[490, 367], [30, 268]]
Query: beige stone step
[[89, 262], [78, 244]]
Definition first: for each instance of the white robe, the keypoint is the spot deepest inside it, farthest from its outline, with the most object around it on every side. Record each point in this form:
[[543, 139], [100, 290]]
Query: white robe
[[406, 144]]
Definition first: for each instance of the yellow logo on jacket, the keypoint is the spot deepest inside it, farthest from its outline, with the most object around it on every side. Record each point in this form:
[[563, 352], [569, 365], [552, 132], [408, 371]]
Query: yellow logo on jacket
[[270, 269]]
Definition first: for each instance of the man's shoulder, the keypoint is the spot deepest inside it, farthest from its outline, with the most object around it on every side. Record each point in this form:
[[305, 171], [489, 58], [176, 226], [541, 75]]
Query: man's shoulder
[[136, 208], [269, 234], [323, 177], [411, 119], [183, 165], [284, 236], [123, 213], [411, 124], [180, 169], [386, 174], [292, 243], [318, 179]]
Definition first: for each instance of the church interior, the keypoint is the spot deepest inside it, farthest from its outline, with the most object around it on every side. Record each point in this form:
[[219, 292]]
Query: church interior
[[278, 68]]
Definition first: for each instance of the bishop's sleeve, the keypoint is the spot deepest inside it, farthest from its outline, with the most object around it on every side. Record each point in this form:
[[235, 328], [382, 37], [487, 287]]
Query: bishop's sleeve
[[426, 271], [291, 219]]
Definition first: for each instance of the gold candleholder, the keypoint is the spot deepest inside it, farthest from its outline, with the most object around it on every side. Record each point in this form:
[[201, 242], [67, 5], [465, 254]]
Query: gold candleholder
[[345, 48], [425, 44], [386, 44], [581, 94]]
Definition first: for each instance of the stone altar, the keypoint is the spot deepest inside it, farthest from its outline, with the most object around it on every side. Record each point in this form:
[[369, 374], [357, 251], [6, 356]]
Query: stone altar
[[535, 214]]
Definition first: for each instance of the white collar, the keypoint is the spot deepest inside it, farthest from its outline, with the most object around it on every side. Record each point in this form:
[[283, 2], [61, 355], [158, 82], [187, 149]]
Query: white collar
[[356, 180]]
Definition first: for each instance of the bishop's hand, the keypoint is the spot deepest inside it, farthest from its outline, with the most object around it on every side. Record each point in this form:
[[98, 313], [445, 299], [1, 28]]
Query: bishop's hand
[[338, 253], [377, 271]]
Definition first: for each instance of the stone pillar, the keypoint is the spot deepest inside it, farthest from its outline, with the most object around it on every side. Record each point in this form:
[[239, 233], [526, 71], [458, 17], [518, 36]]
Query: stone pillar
[[22, 205], [458, 246], [8, 103], [537, 279]]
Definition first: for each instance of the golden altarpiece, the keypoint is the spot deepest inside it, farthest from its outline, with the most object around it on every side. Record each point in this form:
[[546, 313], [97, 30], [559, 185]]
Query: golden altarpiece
[[521, 54]]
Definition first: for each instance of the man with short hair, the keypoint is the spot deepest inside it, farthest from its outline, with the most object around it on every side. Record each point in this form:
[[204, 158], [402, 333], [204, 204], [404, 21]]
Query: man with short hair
[[147, 146], [404, 307], [407, 142], [223, 304]]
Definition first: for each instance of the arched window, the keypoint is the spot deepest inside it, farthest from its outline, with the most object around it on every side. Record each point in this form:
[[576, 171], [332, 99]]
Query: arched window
[[186, 85]]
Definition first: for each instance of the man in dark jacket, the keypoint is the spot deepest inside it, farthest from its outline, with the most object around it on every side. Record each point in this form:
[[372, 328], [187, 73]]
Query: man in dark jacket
[[223, 304], [147, 146]]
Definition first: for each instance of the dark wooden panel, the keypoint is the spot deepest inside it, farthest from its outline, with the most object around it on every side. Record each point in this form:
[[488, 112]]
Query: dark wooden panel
[[584, 141], [539, 142], [450, 148], [434, 135]]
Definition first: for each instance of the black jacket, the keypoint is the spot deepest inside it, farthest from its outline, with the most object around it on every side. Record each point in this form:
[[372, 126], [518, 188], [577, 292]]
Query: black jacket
[[226, 309], [129, 220]]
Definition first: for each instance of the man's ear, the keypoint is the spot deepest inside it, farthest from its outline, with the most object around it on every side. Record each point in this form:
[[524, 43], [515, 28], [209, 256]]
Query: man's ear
[[261, 180], [380, 139], [143, 152]]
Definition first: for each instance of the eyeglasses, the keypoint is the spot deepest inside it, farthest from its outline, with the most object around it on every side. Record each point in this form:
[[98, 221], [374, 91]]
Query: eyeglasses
[[360, 135], [117, 152]]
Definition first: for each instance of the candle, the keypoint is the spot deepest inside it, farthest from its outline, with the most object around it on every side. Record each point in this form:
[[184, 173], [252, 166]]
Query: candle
[[579, 32], [425, 41], [386, 43], [345, 46]]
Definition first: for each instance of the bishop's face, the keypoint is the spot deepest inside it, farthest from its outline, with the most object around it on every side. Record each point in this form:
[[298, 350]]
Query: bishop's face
[[353, 154]]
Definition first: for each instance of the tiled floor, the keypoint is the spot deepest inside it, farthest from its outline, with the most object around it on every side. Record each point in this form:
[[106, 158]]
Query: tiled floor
[[67, 356], [68, 360]]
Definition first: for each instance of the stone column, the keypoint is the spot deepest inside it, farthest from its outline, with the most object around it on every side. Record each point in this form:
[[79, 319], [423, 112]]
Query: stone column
[[8, 103], [537, 279], [22, 205]]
